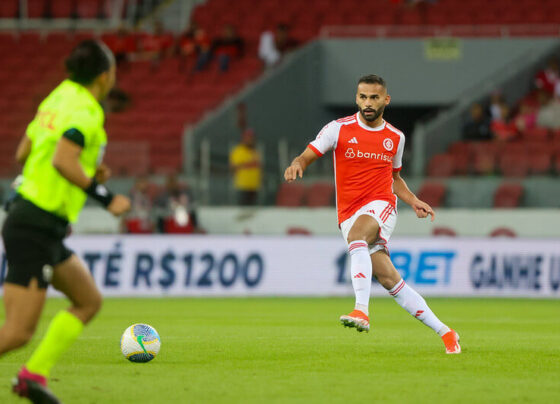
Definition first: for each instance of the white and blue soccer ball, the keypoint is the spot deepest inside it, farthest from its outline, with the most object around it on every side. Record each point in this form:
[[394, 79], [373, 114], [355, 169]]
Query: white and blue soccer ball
[[140, 343]]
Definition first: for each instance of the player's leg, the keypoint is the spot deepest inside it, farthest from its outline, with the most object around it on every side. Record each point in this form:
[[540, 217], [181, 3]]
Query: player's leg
[[386, 274], [23, 306], [24, 286], [362, 233], [74, 280]]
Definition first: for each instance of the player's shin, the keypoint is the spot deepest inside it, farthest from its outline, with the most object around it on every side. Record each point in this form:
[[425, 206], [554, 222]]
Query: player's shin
[[62, 332], [360, 270], [415, 304]]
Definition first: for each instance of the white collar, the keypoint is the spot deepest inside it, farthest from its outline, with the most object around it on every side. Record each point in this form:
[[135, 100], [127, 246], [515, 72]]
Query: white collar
[[363, 125]]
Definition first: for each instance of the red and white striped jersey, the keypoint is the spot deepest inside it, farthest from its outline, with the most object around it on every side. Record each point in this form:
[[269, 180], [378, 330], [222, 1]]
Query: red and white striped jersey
[[364, 161]]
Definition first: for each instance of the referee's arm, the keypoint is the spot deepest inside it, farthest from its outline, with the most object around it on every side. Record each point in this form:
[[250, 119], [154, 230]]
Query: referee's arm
[[23, 149], [66, 160]]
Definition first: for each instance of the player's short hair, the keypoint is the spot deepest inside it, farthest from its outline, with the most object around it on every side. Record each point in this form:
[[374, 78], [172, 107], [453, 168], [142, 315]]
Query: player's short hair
[[373, 79], [88, 60]]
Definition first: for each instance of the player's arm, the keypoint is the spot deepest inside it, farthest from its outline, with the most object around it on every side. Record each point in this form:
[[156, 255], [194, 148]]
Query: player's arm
[[400, 189], [299, 164], [66, 161], [23, 149]]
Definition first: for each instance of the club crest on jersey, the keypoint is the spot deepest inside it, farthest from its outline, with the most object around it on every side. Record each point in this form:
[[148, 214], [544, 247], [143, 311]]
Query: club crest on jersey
[[388, 144], [350, 154]]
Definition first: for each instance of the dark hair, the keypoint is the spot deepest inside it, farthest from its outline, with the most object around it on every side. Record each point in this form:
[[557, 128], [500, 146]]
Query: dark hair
[[373, 79], [88, 60]]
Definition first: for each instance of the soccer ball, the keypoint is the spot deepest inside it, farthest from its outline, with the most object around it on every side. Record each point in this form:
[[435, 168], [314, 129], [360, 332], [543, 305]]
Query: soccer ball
[[140, 343]]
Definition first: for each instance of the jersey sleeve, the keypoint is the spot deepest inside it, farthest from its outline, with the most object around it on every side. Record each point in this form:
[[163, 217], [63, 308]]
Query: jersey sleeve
[[397, 160], [82, 122], [31, 129], [75, 136], [326, 139]]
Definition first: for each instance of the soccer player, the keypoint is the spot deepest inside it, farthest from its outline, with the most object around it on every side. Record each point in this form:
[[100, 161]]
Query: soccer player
[[367, 154], [62, 152]]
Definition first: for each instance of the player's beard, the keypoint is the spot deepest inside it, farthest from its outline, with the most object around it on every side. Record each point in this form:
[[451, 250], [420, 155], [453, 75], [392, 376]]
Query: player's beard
[[371, 118]]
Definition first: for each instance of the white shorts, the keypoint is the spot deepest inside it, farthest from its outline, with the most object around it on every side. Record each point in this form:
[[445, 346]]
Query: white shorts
[[384, 213]]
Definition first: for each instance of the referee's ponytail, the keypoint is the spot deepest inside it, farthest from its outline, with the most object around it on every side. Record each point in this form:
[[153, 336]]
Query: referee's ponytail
[[88, 60]]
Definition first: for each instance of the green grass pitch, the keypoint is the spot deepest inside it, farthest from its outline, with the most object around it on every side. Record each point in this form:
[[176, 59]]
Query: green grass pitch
[[293, 350]]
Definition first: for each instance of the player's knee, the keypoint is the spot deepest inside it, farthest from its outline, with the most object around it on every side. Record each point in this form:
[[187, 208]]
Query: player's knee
[[357, 235], [94, 305], [89, 308], [387, 282]]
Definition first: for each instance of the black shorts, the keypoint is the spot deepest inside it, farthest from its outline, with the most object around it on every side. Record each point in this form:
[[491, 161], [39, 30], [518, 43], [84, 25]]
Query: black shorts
[[33, 240]]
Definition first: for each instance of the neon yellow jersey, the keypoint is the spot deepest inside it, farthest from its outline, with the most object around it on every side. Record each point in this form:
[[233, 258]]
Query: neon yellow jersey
[[68, 106]]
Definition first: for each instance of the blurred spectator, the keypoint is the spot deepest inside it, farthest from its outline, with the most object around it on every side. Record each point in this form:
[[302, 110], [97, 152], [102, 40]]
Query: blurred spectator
[[549, 115], [241, 113], [495, 108], [272, 46], [176, 208], [123, 45], [228, 47], [526, 118], [477, 126], [245, 163], [548, 78], [117, 101], [195, 44], [157, 45], [139, 219], [502, 128]]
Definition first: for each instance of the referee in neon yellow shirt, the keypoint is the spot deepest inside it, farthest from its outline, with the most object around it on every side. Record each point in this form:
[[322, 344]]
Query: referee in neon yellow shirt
[[62, 153]]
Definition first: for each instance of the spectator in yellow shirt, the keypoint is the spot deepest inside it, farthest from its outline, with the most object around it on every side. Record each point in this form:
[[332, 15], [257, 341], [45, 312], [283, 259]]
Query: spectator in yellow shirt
[[245, 163]]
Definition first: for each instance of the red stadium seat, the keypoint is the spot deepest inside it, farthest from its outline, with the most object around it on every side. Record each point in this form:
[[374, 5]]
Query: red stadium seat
[[443, 231], [536, 134], [540, 163], [8, 8], [432, 193], [508, 195], [503, 232], [484, 162], [138, 226], [290, 195], [171, 226], [441, 165], [462, 163], [298, 231], [459, 148], [514, 165], [320, 194]]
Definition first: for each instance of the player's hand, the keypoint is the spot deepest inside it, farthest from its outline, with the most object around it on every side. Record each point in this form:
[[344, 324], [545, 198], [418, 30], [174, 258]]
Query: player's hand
[[293, 171], [119, 205], [102, 174], [422, 209]]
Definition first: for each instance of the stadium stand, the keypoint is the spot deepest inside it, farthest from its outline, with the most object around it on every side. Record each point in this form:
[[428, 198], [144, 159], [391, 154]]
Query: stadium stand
[[443, 231], [441, 165], [433, 194], [298, 231], [290, 195], [503, 232], [508, 195], [165, 97], [320, 194]]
